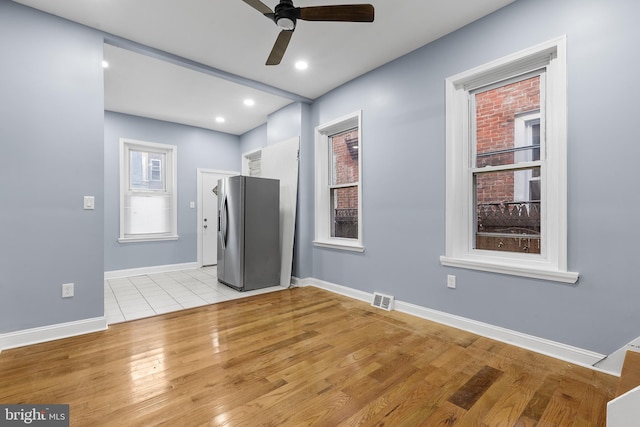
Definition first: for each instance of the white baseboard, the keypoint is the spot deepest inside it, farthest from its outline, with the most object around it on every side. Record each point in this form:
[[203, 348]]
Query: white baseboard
[[554, 349], [337, 289], [116, 274], [51, 332]]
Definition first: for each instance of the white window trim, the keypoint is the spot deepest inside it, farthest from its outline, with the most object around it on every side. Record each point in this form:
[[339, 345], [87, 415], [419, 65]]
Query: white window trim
[[322, 197], [171, 151], [552, 264]]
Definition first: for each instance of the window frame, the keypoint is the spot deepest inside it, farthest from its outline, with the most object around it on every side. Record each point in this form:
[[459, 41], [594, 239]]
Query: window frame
[[460, 207], [323, 184], [170, 188]]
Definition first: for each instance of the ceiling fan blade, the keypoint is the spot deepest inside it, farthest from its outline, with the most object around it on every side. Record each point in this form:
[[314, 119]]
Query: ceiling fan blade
[[259, 6], [279, 47], [343, 13]]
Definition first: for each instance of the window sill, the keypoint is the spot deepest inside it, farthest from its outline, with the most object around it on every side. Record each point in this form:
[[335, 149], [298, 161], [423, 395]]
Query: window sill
[[146, 239], [515, 269], [345, 245]]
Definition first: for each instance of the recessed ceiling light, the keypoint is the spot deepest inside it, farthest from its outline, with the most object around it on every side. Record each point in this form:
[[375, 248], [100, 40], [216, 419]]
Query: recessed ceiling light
[[302, 65], [105, 64], [249, 102], [220, 119]]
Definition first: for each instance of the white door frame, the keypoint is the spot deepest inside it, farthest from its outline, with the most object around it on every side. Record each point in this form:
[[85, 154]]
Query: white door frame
[[200, 173]]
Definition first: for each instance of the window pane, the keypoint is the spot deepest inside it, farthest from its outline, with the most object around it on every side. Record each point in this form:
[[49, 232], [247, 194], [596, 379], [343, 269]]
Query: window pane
[[344, 212], [344, 157], [499, 140], [146, 171], [148, 214], [508, 210]]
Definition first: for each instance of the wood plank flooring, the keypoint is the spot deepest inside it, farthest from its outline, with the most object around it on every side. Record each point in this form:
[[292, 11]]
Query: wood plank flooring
[[630, 376], [300, 357]]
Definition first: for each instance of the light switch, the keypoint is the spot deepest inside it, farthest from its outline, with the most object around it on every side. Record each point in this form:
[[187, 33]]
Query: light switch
[[192, 205], [451, 281], [89, 202]]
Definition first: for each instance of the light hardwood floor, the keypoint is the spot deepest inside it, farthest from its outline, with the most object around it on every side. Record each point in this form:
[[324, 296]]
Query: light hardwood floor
[[299, 357]]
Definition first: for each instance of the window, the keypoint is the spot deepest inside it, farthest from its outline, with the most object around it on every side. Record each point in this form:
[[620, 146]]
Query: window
[[156, 167], [338, 153], [506, 207], [252, 163], [147, 191], [527, 142]]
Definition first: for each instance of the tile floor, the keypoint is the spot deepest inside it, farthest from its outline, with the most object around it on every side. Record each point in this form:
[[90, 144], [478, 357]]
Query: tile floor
[[136, 297]]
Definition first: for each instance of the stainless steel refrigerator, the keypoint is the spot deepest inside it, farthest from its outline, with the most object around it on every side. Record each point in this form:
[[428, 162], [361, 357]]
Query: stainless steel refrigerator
[[248, 232]]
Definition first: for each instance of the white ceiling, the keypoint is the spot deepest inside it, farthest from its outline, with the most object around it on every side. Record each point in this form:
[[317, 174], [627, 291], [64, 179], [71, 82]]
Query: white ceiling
[[228, 37]]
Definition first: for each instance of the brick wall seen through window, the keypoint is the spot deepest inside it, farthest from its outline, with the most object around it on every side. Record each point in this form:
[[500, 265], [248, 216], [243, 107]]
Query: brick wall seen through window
[[501, 209], [345, 175]]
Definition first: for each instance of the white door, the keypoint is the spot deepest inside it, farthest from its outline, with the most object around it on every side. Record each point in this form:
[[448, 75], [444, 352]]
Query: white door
[[208, 215]]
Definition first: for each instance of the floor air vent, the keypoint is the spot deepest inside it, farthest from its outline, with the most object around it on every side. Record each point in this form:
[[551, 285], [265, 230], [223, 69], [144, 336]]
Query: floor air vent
[[382, 301]]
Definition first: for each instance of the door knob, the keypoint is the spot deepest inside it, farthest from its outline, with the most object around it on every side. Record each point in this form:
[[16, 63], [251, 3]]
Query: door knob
[[205, 226]]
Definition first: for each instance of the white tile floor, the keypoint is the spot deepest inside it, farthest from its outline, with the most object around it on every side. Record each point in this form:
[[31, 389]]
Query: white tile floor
[[136, 297]]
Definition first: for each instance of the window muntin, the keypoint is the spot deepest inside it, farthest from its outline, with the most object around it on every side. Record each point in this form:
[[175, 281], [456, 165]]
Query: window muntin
[[148, 209]]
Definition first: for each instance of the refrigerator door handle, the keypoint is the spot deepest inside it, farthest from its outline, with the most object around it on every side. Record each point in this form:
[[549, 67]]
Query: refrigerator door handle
[[225, 221]]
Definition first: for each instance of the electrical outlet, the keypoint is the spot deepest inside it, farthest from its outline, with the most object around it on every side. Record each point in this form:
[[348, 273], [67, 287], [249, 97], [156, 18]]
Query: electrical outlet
[[451, 281], [67, 290]]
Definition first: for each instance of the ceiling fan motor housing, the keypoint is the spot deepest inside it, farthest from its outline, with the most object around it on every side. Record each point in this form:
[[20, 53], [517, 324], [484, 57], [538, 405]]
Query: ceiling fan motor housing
[[286, 15]]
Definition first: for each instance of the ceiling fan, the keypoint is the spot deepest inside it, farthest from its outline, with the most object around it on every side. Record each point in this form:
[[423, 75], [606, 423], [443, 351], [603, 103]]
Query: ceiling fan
[[285, 16]]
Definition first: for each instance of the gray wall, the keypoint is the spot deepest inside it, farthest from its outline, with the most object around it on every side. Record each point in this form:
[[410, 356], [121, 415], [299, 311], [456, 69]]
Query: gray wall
[[254, 139], [404, 177], [197, 148], [284, 124], [305, 233], [51, 132]]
